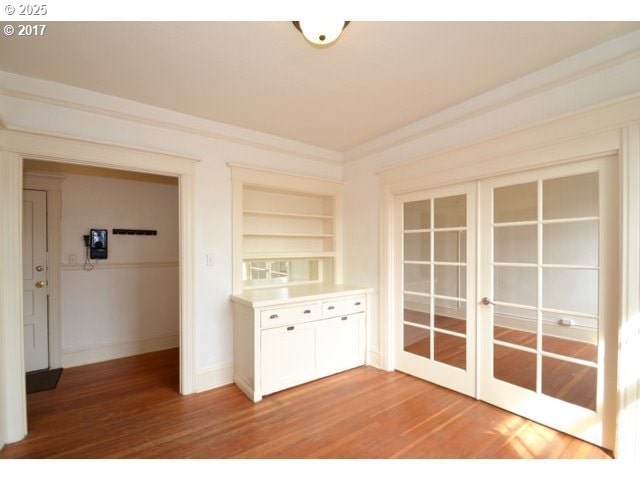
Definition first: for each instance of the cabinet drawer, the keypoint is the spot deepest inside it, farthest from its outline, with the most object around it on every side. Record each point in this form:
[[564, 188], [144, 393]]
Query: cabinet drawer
[[289, 315], [343, 306]]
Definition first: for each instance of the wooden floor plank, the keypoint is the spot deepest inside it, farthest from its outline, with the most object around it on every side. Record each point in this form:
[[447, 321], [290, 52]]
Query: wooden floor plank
[[130, 408]]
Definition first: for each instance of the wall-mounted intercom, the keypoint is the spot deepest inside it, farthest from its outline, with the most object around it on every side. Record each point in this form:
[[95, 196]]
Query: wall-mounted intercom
[[96, 243]]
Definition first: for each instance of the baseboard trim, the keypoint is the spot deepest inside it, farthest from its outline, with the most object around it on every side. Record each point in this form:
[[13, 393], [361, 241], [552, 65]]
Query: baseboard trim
[[373, 359], [101, 353], [214, 377]]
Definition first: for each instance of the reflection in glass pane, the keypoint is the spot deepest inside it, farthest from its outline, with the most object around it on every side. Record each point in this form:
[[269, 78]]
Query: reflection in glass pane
[[278, 272], [416, 341], [417, 246], [516, 285], [518, 244], [450, 281], [570, 382], [516, 203], [514, 366], [450, 212], [450, 246], [579, 341], [570, 289], [417, 215], [570, 197], [515, 325], [416, 278], [450, 350], [574, 243], [451, 315], [417, 309]]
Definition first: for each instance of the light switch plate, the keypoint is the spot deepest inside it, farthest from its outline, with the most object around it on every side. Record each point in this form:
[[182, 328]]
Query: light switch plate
[[210, 259]]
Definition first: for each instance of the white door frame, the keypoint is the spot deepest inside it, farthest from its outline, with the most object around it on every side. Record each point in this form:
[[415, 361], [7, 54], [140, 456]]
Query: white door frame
[[52, 184], [17, 146], [609, 129]]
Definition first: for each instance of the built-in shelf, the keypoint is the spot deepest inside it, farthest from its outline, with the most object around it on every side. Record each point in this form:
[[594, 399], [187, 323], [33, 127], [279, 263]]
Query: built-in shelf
[[287, 214], [289, 235], [280, 217]]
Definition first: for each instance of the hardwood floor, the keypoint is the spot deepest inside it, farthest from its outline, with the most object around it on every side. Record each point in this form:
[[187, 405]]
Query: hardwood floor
[[130, 408]]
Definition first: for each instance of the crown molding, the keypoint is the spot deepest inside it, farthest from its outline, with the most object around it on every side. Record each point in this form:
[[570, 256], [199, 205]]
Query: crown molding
[[589, 62], [74, 98]]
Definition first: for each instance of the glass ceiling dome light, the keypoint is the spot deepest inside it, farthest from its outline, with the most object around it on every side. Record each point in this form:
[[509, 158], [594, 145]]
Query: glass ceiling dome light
[[321, 32]]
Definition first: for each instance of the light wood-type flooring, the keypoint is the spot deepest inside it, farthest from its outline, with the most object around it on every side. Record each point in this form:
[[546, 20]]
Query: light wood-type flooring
[[130, 408]]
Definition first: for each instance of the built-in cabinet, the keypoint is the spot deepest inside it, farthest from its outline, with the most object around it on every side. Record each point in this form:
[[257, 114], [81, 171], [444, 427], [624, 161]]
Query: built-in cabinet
[[288, 336], [294, 320]]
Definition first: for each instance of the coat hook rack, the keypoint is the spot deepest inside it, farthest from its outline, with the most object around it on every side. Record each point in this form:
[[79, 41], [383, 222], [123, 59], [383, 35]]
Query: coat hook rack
[[130, 231]]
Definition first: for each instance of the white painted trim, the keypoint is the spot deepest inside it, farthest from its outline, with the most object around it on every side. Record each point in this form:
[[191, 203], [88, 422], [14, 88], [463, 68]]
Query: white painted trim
[[387, 279], [628, 431], [101, 353], [52, 184], [42, 146], [373, 359], [214, 377], [19, 145], [187, 255], [118, 265], [13, 417], [267, 177], [73, 98]]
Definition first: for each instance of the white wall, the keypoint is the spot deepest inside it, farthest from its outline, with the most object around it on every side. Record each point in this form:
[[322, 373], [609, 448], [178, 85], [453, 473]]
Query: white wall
[[129, 302]]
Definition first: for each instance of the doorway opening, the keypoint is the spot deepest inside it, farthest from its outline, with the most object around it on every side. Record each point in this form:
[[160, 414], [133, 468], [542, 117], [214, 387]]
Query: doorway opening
[[99, 309]]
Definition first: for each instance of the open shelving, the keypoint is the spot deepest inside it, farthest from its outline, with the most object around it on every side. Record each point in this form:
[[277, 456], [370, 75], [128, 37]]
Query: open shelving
[[279, 217]]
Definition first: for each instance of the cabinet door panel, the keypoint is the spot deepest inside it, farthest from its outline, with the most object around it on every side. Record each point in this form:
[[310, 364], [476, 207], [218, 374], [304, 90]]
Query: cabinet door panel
[[340, 343], [288, 356]]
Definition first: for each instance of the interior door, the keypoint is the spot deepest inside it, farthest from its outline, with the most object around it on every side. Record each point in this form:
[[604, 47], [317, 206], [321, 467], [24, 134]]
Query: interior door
[[34, 267], [548, 277], [435, 284]]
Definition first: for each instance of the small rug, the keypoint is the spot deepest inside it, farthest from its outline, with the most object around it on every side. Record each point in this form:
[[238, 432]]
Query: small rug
[[43, 380]]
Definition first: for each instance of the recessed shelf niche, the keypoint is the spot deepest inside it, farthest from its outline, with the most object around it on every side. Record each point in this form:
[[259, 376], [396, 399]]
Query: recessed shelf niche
[[278, 216]]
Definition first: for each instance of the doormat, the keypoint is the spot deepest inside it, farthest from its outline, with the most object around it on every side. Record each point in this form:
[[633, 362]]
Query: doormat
[[43, 380]]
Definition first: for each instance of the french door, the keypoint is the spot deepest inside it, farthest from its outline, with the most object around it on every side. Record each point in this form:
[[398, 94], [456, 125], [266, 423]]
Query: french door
[[436, 330], [544, 297]]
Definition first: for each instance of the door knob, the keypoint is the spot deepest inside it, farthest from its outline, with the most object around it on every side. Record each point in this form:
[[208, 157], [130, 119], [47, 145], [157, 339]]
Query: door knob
[[486, 301], [39, 268], [40, 284]]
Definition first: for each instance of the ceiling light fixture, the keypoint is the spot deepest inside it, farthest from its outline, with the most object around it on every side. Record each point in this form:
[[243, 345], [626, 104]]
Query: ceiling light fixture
[[321, 32]]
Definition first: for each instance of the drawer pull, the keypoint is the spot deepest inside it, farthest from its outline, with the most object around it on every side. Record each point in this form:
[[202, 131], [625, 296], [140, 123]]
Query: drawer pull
[[331, 307], [273, 316], [344, 318], [290, 328], [357, 304], [307, 311]]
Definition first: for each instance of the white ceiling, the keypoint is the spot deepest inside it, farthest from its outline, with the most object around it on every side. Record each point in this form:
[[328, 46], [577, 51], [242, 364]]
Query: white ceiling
[[378, 77]]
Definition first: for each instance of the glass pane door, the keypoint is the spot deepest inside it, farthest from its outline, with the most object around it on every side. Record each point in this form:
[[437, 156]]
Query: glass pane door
[[544, 318], [435, 334]]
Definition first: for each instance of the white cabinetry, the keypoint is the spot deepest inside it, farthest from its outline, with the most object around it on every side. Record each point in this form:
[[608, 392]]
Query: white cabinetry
[[288, 336]]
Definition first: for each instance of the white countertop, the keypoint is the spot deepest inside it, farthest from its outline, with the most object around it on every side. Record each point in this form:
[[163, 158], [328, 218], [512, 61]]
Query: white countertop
[[262, 297]]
